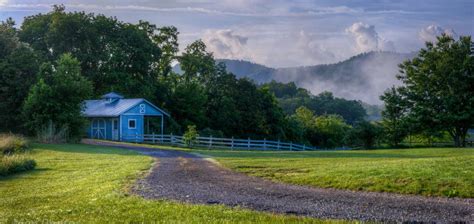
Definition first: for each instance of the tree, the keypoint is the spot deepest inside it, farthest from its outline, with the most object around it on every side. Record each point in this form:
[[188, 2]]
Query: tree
[[331, 130], [438, 88], [364, 134], [18, 67], [394, 120], [114, 55], [197, 63], [58, 97]]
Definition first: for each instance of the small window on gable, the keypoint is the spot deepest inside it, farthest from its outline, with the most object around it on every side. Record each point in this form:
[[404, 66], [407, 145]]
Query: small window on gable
[[132, 123], [142, 108]]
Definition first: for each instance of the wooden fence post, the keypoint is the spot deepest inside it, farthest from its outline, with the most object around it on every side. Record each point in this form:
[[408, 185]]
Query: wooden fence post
[[264, 144], [210, 142], [171, 139], [248, 143], [304, 147], [153, 137], [291, 146], [232, 144], [278, 145]]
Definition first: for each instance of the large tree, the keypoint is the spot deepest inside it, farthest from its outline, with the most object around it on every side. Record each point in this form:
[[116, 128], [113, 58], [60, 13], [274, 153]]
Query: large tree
[[438, 88], [114, 55], [18, 67], [57, 98]]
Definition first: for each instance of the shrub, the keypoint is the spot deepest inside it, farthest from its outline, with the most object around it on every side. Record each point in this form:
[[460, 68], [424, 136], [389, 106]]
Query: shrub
[[12, 144], [10, 164], [190, 136], [50, 134]]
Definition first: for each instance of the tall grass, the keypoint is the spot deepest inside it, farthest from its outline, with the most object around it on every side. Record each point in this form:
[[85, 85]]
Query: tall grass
[[13, 154], [12, 144]]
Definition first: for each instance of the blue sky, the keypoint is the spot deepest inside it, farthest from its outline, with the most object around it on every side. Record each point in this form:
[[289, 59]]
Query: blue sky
[[283, 33]]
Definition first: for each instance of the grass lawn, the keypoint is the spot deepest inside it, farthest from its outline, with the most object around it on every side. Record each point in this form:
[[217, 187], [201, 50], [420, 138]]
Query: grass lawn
[[82, 183], [424, 171]]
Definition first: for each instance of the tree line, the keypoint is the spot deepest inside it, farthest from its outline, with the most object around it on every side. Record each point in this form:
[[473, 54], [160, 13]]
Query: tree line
[[54, 61]]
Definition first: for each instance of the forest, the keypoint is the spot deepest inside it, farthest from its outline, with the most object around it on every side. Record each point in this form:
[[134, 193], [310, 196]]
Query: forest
[[52, 62]]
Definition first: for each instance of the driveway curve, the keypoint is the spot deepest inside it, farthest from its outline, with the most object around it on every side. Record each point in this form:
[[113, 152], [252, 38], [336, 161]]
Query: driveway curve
[[189, 178]]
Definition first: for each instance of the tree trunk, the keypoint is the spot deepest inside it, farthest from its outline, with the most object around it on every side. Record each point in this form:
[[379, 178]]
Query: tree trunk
[[459, 136]]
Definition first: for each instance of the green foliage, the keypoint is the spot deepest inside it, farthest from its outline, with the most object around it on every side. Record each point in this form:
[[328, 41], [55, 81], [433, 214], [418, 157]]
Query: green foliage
[[291, 97], [364, 134], [327, 131], [18, 67], [394, 121], [447, 172], [13, 144], [58, 98], [438, 90], [114, 55], [331, 130], [190, 136]]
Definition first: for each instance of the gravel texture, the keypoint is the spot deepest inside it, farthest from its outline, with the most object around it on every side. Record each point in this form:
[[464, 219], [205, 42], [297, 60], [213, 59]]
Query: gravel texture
[[189, 178]]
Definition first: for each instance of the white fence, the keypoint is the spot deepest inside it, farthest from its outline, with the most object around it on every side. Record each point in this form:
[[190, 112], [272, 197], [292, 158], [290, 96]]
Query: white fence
[[219, 143]]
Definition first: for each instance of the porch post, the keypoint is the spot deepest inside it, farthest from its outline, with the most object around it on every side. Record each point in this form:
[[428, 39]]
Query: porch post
[[162, 118]]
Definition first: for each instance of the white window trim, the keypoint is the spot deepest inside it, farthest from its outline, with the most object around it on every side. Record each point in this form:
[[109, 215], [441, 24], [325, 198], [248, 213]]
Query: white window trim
[[129, 123]]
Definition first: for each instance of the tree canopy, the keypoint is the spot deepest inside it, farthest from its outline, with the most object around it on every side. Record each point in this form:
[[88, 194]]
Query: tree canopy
[[437, 92]]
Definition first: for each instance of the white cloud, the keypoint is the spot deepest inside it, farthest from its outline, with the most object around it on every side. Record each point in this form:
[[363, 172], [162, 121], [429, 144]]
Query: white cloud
[[367, 39], [3, 2], [429, 33], [226, 44]]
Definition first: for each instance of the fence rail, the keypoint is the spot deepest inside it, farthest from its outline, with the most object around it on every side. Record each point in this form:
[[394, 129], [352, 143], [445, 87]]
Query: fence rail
[[219, 143]]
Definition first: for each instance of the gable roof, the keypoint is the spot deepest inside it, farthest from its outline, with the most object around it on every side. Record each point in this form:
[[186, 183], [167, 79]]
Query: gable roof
[[104, 108]]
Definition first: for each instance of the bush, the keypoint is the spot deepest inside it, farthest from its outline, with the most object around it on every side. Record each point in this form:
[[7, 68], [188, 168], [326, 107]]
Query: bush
[[12, 144], [10, 164], [50, 134], [190, 136]]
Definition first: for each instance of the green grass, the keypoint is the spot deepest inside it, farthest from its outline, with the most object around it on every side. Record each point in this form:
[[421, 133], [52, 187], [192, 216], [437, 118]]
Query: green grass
[[447, 172], [81, 183]]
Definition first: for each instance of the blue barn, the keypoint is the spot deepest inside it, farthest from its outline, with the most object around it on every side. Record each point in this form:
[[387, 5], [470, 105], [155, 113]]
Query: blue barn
[[118, 119]]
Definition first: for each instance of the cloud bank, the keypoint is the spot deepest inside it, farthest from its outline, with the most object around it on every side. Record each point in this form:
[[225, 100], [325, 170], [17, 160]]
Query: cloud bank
[[226, 44], [367, 39], [429, 33]]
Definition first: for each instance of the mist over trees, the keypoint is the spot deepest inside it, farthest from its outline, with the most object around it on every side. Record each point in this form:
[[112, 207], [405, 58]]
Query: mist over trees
[[56, 60]]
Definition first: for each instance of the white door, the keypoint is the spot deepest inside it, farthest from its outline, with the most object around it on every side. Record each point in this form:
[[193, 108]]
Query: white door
[[115, 130]]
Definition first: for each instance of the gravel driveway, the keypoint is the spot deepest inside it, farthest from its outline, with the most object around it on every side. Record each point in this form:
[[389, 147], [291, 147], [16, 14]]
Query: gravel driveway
[[186, 177]]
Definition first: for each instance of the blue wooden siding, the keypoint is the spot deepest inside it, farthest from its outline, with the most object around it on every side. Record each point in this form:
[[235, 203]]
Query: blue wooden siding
[[129, 134], [144, 108]]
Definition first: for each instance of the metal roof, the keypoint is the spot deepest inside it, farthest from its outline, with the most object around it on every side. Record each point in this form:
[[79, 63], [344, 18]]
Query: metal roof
[[105, 108]]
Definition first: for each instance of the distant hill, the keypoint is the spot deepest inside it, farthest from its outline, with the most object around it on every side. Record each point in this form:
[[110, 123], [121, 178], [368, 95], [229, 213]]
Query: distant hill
[[363, 77]]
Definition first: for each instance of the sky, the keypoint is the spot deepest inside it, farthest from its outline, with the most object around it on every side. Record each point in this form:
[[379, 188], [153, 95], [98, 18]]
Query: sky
[[283, 33]]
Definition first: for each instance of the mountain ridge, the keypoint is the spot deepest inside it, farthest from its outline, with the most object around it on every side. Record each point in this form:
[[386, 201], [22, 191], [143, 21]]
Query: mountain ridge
[[362, 77]]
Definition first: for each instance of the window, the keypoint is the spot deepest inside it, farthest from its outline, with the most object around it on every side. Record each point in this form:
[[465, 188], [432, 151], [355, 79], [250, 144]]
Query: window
[[142, 108], [132, 123]]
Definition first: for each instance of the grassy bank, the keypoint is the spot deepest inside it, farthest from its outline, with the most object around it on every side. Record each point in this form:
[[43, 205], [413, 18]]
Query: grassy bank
[[447, 172], [81, 183]]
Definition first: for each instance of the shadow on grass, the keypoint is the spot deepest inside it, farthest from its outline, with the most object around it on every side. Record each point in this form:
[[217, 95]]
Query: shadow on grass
[[87, 149], [23, 174]]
